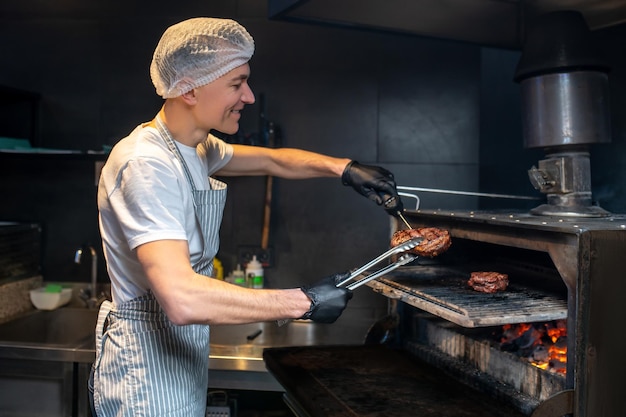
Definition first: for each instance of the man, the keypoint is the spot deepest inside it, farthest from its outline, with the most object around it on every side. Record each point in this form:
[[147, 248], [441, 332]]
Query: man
[[160, 213]]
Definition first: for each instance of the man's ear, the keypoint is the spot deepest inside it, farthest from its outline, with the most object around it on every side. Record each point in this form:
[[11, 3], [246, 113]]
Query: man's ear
[[190, 97]]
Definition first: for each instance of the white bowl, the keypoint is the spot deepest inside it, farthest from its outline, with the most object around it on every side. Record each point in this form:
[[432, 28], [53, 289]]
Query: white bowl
[[43, 300]]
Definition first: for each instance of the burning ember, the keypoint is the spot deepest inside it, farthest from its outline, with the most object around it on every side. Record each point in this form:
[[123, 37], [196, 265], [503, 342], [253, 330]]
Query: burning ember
[[544, 345]]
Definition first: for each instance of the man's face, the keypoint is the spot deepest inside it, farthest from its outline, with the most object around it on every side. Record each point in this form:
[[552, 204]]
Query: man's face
[[221, 101]]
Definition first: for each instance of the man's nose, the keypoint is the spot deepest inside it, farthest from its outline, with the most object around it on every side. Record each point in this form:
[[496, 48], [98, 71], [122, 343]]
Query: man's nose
[[248, 96]]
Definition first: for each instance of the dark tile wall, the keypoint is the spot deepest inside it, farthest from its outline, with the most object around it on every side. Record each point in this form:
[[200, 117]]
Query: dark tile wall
[[503, 159], [428, 110], [59, 193], [608, 161]]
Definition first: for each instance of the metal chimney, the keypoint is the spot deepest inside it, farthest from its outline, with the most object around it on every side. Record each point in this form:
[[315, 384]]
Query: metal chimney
[[565, 106]]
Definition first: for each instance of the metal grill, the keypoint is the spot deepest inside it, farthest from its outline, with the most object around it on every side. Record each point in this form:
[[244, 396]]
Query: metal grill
[[443, 291]]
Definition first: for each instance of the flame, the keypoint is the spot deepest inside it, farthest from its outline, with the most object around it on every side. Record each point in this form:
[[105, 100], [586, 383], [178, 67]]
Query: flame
[[543, 345]]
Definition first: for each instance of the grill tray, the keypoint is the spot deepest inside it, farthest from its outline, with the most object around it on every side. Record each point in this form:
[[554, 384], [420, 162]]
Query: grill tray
[[373, 381], [443, 291]]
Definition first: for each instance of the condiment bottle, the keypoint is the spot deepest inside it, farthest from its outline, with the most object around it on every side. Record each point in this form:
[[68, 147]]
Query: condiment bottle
[[254, 273], [218, 269], [239, 277]]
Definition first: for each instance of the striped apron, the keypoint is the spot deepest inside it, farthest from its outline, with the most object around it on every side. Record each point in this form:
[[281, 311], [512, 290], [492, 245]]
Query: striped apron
[[145, 365]]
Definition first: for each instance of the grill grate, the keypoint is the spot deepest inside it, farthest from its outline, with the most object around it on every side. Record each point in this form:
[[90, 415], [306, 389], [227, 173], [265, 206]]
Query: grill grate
[[443, 291]]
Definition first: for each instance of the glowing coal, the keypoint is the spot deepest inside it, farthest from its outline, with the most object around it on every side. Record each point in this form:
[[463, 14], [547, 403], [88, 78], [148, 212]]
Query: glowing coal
[[544, 345]]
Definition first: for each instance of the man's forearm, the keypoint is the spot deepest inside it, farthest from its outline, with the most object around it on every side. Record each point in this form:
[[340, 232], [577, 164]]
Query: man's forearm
[[283, 162], [296, 163]]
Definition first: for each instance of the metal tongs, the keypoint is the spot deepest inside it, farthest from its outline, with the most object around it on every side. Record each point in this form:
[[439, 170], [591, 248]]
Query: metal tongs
[[403, 260]]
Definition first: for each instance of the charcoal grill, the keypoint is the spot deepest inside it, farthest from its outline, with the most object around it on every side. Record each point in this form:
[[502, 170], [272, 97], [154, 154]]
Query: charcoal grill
[[559, 268], [573, 265]]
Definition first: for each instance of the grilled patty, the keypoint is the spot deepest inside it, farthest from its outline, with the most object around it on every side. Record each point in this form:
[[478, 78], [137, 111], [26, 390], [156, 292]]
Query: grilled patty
[[436, 241], [488, 281]]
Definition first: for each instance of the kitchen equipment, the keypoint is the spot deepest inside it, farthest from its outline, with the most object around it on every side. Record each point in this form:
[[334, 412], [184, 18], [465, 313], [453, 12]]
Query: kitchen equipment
[[372, 380], [568, 259], [384, 330], [406, 223], [403, 260], [391, 202], [560, 268], [459, 192]]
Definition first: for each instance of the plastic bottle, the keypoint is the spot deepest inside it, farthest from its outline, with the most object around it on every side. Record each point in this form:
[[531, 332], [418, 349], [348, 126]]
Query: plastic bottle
[[218, 269], [254, 273], [239, 277]]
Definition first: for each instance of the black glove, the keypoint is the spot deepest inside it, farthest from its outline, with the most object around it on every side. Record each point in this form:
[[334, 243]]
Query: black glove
[[327, 301], [375, 183]]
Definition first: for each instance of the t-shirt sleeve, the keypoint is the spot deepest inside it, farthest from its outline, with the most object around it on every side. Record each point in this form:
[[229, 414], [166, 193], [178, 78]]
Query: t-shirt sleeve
[[147, 202], [215, 152]]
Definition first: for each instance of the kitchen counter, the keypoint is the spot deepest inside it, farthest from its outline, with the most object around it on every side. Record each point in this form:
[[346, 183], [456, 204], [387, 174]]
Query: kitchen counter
[[235, 359]]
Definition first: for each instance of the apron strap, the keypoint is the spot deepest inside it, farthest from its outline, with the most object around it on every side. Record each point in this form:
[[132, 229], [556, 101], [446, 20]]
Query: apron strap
[[172, 145], [103, 315]]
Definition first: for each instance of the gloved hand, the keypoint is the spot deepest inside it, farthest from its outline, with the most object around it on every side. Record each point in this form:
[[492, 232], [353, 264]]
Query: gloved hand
[[375, 183], [327, 301]]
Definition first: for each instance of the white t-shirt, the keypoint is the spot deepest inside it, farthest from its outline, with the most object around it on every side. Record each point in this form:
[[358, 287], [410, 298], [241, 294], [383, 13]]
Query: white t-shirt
[[144, 196]]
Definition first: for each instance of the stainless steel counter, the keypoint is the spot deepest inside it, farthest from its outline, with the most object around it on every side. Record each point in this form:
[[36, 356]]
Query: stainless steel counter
[[235, 359], [236, 356]]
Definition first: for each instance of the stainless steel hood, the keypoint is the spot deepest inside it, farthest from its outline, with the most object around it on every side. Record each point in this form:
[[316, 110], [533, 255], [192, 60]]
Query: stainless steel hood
[[496, 23]]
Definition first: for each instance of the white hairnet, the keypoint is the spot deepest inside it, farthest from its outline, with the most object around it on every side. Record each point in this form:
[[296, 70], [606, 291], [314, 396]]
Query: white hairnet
[[196, 52]]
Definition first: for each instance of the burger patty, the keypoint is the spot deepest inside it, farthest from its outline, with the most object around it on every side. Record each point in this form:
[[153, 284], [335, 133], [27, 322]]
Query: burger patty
[[488, 281], [436, 241]]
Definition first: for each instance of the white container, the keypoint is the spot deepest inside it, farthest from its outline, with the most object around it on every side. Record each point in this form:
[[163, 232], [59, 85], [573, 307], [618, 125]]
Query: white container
[[43, 300], [254, 273]]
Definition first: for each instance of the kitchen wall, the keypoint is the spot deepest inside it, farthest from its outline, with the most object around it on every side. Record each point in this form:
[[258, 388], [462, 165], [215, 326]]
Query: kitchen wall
[[608, 161], [437, 113]]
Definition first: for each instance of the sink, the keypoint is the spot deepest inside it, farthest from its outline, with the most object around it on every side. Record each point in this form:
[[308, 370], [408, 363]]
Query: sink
[[67, 327]]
